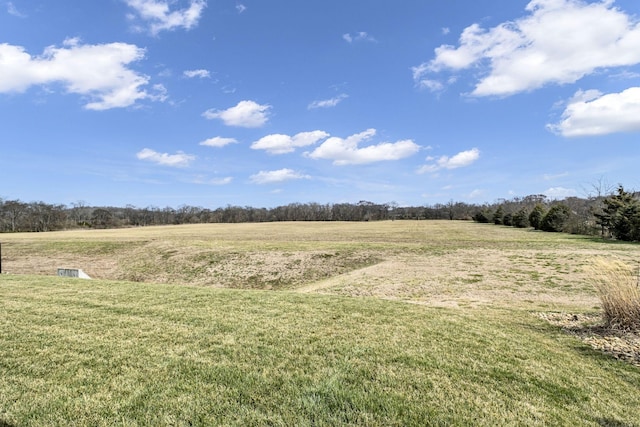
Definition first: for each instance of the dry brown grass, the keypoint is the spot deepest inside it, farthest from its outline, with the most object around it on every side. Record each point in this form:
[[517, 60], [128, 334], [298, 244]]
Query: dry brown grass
[[618, 286], [437, 263]]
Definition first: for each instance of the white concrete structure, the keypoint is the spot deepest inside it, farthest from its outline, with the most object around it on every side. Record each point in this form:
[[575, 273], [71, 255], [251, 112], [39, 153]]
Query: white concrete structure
[[73, 272]]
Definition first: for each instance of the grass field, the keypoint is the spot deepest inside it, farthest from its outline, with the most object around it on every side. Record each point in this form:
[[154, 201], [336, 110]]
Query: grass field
[[338, 344]]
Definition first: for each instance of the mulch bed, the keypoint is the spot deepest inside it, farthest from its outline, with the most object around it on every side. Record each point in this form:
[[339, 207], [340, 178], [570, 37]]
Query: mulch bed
[[621, 344]]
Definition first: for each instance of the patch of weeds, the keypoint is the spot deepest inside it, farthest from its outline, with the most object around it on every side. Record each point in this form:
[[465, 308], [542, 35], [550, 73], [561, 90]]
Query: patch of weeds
[[473, 278]]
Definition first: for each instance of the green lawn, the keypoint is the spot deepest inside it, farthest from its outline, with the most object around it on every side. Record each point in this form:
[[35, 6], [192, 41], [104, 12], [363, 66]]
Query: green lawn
[[104, 353]]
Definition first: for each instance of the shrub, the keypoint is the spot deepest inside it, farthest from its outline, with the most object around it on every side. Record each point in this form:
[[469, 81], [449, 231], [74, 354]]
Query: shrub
[[482, 217], [617, 286]]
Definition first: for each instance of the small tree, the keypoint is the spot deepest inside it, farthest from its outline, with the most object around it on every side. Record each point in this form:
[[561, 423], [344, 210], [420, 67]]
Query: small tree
[[507, 219], [520, 218], [536, 215], [482, 217], [498, 215], [556, 219]]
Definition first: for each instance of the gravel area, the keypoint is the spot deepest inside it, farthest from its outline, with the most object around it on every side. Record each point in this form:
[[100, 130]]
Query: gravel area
[[621, 344]]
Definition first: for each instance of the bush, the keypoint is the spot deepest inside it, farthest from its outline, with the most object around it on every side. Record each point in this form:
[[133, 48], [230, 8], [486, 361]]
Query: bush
[[482, 217], [618, 288]]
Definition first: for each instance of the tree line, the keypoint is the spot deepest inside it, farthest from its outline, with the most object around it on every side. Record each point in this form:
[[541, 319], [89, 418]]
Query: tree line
[[615, 214]]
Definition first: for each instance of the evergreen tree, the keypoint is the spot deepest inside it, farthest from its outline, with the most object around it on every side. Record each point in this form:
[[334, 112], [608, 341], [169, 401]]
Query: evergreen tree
[[520, 218], [556, 219], [536, 215], [621, 216], [498, 215]]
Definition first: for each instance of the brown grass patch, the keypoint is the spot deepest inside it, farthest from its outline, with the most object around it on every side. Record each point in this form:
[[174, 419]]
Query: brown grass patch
[[439, 263], [618, 287]]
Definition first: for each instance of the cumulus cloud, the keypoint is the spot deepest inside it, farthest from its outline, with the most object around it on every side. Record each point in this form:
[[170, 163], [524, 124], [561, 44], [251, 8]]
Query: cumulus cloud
[[558, 41], [98, 72], [248, 114], [347, 151], [241, 8], [591, 113], [203, 74], [360, 36], [157, 14], [281, 144], [327, 103], [460, 160], [218, 142], [281, 175], [179, 159], [559, 193]]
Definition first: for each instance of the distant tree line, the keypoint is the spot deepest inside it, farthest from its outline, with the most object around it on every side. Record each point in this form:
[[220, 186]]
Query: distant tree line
[[614, 215]]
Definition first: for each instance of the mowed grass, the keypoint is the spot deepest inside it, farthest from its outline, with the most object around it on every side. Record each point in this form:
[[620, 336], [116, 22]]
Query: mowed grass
[[184, 327], [104, 353]]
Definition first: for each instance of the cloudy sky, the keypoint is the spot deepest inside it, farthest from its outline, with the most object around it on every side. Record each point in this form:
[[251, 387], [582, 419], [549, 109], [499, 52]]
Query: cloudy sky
[[264, 103]]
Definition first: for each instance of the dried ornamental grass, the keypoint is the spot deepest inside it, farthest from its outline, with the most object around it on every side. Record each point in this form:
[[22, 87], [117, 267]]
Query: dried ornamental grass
[[619, 291]]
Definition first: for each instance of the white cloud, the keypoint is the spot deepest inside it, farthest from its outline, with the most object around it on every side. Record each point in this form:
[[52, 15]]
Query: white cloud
[[98, 72], [593, 113], [346, 151], [179, 159], [558, 41], [281, 144], [328, 103], [241, 8], [272, 177], [476, 194], [559, 193], [462, 159], [218, 142], [221, 181], [12, 10], [159, 16], [552, 177], [247, 114], [203, 74], [360, 36]]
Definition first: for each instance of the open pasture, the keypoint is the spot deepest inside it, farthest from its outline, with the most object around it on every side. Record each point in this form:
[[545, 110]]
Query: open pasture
[[442, 263], [305, 324]]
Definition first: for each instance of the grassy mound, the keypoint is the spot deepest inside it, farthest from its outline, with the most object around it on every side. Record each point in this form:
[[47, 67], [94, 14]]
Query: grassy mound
[[115, 353]]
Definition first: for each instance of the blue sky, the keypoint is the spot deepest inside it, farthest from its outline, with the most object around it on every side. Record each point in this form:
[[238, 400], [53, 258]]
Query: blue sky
[[263, 103]]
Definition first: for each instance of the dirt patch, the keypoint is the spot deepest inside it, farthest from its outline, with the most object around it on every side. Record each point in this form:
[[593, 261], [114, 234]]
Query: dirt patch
[[622, 345]]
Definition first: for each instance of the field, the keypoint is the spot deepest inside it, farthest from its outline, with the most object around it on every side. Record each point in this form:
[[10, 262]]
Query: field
[[378, 324]]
